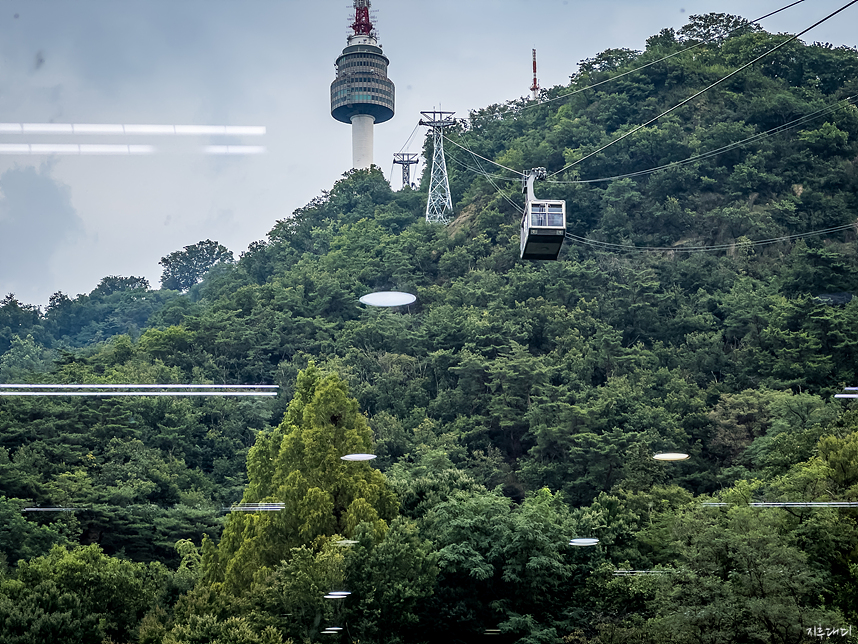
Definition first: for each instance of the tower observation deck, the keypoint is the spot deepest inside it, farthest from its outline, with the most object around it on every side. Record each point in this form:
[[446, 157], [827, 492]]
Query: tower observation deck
[[362, 94]]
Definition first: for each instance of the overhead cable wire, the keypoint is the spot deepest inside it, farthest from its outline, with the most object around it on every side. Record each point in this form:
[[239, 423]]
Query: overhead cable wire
[[706, 89], [675, 164], [404, 146], [503, 194], [702, 249], [506, 198], [655, 62], [618, 76], [489, 160], [489, 178], [482, 172], [771, 13], [658, 117], [411, 136], [851, 100], [517, 208]]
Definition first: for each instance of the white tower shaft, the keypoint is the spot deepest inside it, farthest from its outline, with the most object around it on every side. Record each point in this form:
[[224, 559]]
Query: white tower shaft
[[362, 141]]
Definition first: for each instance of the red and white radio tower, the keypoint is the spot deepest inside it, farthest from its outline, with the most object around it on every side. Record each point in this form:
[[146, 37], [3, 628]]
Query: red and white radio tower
[[535, 87]]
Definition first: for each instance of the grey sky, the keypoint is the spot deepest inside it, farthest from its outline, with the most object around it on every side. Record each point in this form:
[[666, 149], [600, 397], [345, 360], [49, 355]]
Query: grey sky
[[66, 222]]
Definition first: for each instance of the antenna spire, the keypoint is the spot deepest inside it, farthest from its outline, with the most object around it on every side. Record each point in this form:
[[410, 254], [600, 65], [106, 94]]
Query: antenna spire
[[535, 87], [362, 25]]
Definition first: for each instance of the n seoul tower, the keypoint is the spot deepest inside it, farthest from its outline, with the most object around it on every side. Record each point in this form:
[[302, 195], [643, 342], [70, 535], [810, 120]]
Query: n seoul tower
[[362, 94]]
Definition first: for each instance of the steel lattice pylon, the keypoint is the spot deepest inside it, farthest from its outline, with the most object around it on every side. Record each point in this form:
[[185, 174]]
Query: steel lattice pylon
[[439, 204], [406, 160]]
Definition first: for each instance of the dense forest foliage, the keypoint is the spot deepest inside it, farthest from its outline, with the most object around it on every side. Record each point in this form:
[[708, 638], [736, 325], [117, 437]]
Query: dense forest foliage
[[515, 406]]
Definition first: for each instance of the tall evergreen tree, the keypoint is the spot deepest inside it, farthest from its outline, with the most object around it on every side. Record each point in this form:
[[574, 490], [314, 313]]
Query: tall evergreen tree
[[299, 464]]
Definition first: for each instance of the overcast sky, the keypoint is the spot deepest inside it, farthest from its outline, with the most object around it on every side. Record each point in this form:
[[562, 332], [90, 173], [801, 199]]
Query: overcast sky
[[67, 221]]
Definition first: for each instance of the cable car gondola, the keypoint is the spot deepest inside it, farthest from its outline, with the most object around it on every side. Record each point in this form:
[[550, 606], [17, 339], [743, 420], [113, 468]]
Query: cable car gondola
[[543, 226]]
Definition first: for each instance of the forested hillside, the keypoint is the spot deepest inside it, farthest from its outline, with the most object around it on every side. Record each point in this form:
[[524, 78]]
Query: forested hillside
[[704, 307]]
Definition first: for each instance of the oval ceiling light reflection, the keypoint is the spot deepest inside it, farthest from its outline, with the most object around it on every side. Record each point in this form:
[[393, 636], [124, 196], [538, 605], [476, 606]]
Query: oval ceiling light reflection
[[388, 298], [586, 541], [335, 596], [345, 542], [357, 457], [671, 456], [342, 593]]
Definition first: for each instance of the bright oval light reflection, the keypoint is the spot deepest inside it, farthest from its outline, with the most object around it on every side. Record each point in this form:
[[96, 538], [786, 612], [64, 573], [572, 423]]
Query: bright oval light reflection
[[340, 593], [335, 596], [388, 298], [345, 542], [587, 541], [358, 457], [671, 456]]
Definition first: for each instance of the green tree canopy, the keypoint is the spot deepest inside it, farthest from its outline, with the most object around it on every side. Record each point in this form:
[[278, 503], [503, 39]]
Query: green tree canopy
[[80, 595], [298, 464], [184, 268]]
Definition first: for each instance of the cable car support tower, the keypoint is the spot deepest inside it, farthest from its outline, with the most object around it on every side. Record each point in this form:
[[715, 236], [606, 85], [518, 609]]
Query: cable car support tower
[[439, 203], [406, 160]]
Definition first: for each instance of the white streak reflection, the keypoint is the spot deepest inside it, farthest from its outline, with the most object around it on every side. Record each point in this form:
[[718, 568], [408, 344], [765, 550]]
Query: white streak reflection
[[255, 507], [234, 149], [136, 390], [791, 504], [75, 149], [148, 129], [86, 149]]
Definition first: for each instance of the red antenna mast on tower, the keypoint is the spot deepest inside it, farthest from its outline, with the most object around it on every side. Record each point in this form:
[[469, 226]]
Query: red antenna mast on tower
[[362, 25], [535, 87]]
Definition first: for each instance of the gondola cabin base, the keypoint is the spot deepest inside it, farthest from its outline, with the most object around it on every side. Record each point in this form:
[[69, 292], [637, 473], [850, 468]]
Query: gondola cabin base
[[543, 229]]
